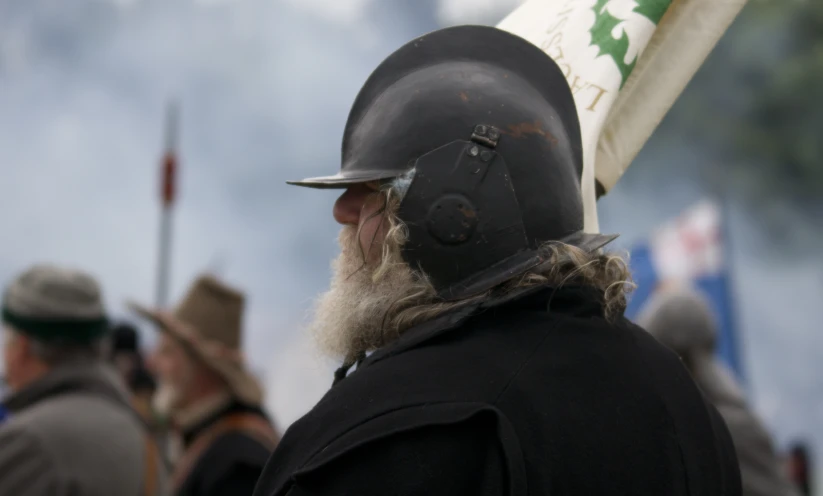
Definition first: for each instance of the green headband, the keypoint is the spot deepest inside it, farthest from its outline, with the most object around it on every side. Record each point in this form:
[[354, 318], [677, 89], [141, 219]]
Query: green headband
[[72, 330]]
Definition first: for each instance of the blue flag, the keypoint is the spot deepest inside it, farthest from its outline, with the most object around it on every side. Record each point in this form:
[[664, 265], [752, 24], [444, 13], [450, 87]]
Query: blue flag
[[690, 248]]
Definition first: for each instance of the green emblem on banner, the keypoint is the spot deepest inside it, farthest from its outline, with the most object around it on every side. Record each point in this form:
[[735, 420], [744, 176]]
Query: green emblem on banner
[[617, 48]]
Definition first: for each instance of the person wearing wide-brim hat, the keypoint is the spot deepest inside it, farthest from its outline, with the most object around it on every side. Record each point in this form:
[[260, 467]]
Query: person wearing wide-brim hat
[[204, 386], [70, 428]]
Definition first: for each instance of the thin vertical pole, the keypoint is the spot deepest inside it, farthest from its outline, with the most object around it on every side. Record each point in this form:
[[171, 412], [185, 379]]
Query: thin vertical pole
[[164, 255]]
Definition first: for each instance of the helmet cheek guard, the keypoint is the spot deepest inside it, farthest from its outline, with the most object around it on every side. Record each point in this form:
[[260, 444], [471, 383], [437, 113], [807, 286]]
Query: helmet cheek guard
[[463, 219]]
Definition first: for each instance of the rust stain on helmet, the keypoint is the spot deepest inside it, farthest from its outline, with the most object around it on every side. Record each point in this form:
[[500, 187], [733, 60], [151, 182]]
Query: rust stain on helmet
[[523, 129], [468, 212]]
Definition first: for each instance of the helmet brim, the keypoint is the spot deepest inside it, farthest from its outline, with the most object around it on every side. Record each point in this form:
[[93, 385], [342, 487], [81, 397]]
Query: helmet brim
[[345, 179]]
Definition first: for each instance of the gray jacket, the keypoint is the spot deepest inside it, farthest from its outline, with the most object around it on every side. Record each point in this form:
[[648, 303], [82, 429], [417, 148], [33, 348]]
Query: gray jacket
[[73, 432], [683, 321]]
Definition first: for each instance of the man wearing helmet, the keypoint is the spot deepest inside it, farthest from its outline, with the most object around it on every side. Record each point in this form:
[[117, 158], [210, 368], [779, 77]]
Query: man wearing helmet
[[491, 354]]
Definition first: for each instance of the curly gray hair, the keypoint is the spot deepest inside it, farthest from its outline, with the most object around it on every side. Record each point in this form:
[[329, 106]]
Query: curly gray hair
[[565, 265]]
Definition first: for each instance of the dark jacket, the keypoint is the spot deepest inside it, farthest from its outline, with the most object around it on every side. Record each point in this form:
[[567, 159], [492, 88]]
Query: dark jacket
[[231, 464], [523, 398]]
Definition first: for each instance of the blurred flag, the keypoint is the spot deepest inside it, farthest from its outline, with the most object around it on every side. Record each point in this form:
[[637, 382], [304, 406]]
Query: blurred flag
[[690, 248], [626, 61]]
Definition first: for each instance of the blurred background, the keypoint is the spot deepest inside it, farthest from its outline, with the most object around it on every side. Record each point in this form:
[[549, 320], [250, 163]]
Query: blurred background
[[264, 88]]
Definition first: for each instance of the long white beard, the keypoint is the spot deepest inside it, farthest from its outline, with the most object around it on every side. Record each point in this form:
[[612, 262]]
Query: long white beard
[[350, 318]]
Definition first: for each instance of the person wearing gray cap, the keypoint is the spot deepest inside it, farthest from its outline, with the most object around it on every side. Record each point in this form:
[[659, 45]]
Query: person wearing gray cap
[[70, 427], [680, 318]]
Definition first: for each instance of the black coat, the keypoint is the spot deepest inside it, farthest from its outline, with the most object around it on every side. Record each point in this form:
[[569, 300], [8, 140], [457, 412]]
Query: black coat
[[231, 465], [525, 398]]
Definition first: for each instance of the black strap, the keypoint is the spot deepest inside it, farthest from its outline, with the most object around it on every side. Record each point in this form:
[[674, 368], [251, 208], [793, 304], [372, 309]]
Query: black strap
[[343, 371]]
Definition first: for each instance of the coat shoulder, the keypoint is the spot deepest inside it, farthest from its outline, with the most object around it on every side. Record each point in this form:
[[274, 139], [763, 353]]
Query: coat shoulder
[[84, 437], [458, 448], [80, 416], [24, 453], [229, 457]]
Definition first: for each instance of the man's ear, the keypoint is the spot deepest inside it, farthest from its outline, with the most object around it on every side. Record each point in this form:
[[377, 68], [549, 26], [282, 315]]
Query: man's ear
[[15, 345], [21, 343]]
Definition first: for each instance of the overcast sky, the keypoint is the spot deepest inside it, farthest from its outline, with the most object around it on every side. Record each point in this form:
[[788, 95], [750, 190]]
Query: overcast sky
[[265, 88]]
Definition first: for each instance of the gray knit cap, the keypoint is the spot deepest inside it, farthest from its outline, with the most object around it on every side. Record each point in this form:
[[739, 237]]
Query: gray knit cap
[[53, 303], [682, 319]]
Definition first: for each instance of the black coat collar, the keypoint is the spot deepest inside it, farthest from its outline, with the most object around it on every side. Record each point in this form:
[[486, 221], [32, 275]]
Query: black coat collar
[[580, 301]]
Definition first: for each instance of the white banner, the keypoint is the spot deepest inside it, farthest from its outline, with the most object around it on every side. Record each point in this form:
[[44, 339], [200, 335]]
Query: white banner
[[626, 62]]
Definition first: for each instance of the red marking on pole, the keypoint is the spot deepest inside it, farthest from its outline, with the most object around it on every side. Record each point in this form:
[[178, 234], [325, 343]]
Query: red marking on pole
[[168, 188]]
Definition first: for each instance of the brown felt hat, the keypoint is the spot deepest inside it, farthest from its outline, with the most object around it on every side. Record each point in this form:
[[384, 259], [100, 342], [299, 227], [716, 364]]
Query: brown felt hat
[[209, 322]]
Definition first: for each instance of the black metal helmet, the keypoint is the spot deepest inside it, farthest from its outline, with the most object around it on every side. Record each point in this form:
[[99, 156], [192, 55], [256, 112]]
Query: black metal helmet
[[478, 129]]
